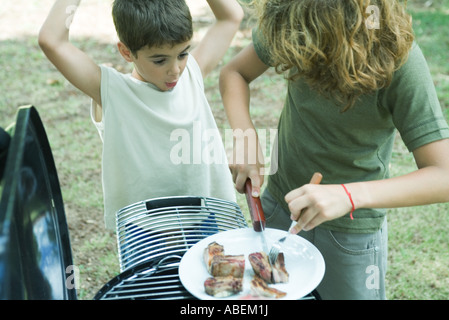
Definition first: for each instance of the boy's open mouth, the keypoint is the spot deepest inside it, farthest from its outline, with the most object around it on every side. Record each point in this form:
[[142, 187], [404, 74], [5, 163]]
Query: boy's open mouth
[[171, 84]]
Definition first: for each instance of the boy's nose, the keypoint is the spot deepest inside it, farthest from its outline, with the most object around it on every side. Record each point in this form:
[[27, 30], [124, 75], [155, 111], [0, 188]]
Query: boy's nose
[[175, 69]]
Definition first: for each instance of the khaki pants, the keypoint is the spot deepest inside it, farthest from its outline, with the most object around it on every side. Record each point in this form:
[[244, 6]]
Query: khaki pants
[[356, 264]]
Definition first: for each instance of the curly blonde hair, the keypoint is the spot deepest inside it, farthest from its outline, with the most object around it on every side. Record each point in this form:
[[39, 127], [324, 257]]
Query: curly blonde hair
[[332, 45]]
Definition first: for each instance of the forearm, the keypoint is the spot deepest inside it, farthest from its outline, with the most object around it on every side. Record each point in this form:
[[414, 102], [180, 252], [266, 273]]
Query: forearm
[[312, 205], [75, 65], [235, 78], [227, 11], [55, 29], [425, 186], [247, 158], [235, 94], [429, 184]]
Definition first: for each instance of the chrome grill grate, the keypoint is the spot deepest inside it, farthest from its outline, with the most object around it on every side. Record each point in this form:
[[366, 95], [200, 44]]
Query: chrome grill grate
[[162, 227]]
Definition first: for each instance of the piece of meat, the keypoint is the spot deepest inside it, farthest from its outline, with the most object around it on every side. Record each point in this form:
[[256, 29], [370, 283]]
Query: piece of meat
[[222, 287], [228, 265], [212, 250], [270, 274], [261, 266], [279, 272], [259, 288]]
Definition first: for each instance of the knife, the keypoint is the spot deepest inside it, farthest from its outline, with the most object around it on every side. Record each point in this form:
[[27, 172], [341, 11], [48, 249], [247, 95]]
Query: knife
[[256, 212]]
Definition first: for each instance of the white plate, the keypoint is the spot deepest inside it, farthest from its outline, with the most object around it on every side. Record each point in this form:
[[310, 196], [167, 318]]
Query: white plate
[[303, 262]]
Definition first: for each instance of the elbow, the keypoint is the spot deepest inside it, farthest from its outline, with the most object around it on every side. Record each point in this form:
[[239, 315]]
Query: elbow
[[225, 74], [230, 74], [43, 40], [46, 40], [224, 71]]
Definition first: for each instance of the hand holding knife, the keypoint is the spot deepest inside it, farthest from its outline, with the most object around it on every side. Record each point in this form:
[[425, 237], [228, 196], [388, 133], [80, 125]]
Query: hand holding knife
[[255, 208], [256, 212]]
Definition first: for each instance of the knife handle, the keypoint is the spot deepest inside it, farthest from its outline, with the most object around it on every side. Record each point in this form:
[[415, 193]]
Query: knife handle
[[255, 208], [316, 178]]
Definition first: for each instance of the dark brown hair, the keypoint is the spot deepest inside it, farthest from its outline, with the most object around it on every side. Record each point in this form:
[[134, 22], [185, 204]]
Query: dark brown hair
[[152, 23]]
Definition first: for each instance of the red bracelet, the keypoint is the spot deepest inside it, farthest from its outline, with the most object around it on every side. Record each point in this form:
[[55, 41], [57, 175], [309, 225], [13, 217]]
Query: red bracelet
[[350, 199]]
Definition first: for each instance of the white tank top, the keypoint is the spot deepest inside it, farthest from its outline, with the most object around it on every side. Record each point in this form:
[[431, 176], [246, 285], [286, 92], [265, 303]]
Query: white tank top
[[158, 144]]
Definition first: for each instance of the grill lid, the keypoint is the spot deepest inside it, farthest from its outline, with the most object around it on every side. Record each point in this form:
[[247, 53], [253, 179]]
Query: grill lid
[[35, 250]]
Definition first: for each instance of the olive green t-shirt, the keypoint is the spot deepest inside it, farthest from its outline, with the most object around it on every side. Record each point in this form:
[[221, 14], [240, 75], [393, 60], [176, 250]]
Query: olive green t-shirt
[[356, 145]]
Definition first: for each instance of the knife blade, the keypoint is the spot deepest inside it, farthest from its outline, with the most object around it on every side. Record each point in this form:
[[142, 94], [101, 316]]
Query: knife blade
[[257, 215]]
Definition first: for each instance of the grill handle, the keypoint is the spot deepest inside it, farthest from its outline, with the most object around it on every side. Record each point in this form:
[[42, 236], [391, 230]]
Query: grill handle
[[164, 261]]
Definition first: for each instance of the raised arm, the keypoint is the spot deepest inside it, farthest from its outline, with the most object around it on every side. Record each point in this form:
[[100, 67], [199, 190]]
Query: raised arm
[[213, 46], [74, 64]]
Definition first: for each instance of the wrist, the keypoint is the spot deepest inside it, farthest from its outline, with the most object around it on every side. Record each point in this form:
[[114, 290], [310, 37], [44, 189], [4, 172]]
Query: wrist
[[351, 201], [360, 194]]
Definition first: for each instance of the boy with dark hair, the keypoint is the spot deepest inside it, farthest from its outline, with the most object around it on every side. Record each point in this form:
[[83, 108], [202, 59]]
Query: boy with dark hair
[[142, 116]]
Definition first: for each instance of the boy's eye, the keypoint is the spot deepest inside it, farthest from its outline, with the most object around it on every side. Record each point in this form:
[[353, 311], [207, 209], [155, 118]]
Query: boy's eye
[[159, 61], [183, 55]]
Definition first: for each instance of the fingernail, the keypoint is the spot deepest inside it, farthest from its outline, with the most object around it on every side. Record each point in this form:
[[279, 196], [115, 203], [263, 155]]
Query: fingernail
[[293, 230], [255, 194]]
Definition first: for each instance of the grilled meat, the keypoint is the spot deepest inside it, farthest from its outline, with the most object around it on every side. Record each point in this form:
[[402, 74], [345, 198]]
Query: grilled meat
[[261, 266], [222, 287], [212, 250], [227, 273], [270, 274], [220, 265], [228, 265], [279, 272], [259, 288]]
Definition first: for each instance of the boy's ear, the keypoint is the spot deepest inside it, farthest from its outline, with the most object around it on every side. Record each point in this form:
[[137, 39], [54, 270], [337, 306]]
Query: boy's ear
[[125, 52]]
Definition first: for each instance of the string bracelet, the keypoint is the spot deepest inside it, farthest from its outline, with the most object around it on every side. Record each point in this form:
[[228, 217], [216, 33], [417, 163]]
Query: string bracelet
[[350, 199]]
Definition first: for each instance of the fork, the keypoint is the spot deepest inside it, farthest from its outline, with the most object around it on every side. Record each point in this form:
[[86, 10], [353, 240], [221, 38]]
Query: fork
[[276, 247]]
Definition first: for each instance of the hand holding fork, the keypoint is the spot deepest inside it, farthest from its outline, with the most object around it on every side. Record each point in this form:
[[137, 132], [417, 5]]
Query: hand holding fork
[[276, 248]]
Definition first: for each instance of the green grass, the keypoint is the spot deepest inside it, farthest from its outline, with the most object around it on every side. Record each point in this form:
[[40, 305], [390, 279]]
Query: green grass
[[418, 244], [418, 240]]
